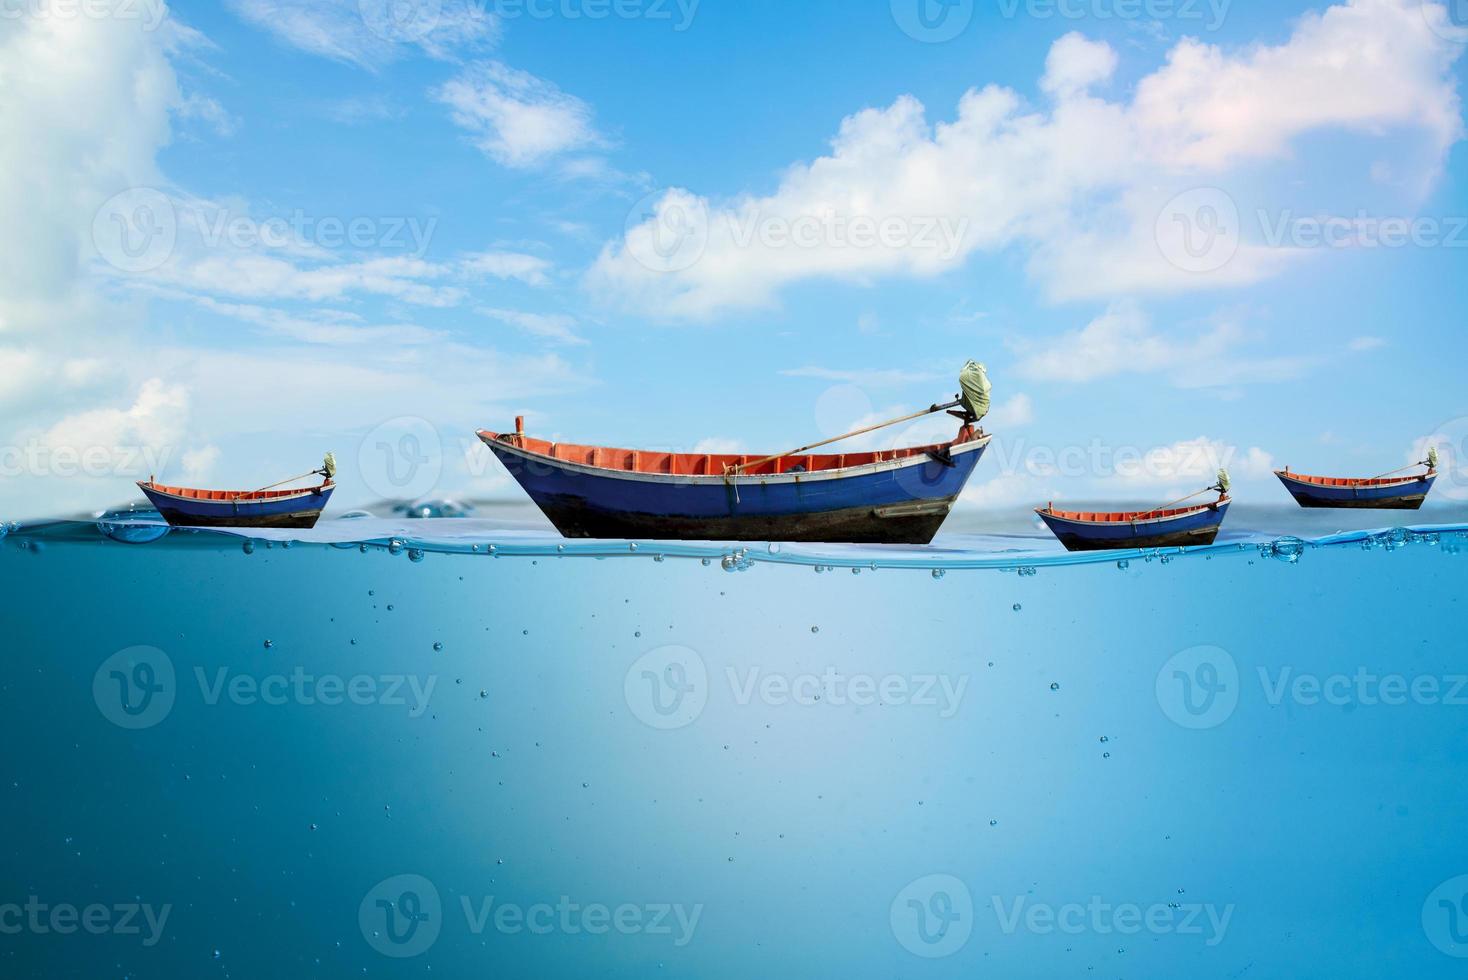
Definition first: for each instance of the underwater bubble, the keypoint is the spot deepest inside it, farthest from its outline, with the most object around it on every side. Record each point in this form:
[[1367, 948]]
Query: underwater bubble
[[1054, 686], [820, 569], [1017, 607], [1286, 549], [437, 646], [637, 633], [362, 548], [993, 823], [938, 573], [706, 562], [856, 571], [658, 557], [395, 547], [632, 546], [774, 548], [415, 554], [269, 644], [1105, 739], [483, 694], [815, 629], [117, 525], [736, 562], [248, 547], [1105, 755], [434, 509]]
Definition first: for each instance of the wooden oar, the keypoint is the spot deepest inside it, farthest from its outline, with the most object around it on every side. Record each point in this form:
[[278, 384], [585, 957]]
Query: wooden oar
[[1430, 462], [1221, 486], [733, 470], [328, 470]]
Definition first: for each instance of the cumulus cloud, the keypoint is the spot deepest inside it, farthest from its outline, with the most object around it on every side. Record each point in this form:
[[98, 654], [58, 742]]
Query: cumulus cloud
[[516, 119], [1080, 183]]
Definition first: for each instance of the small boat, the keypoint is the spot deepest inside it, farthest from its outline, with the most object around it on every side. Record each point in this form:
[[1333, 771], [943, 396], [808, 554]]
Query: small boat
[[1385, 492], [896, 496], [1158, 528], [266, 507]]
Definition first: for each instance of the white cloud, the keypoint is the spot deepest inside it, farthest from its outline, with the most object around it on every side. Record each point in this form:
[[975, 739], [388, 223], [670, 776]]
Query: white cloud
[[1121, 341], [372, 33], [1360, 344], [1190, 461], [1075, 64], [553, 327], [517, 119], [1080, 183], [529, 269], [87, 107]]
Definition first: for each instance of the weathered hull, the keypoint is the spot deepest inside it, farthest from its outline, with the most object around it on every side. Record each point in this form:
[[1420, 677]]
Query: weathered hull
[[300, 510], [1398, 495], [1197, 528], [299, 519], [574, 518], [900, 502]]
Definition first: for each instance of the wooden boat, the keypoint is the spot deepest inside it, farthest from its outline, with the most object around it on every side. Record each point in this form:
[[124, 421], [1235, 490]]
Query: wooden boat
[[1386, 492], [189, 507], [898, 496], [1163, 527]]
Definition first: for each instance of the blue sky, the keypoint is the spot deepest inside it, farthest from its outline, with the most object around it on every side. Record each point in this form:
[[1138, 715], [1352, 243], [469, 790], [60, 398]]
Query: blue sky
[[236, 235]]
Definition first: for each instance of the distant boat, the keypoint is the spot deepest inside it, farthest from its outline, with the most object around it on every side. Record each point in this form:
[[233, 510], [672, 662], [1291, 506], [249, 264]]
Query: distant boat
[[266, 507], [1385, 492], [895, 496], [1158, 528]]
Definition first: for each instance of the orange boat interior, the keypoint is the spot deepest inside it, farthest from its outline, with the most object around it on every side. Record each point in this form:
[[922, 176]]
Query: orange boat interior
[[709, 464], [1122, 517], [1343, 481], [193, 494]]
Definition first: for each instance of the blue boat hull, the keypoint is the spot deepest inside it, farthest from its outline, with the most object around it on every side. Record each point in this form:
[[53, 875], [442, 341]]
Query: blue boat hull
[[895, 503], [1398, 495], [295, 511], [1196, 528]]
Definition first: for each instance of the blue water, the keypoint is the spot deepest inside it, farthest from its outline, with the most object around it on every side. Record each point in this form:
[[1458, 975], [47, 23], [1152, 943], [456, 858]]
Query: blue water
[[392, 747]]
